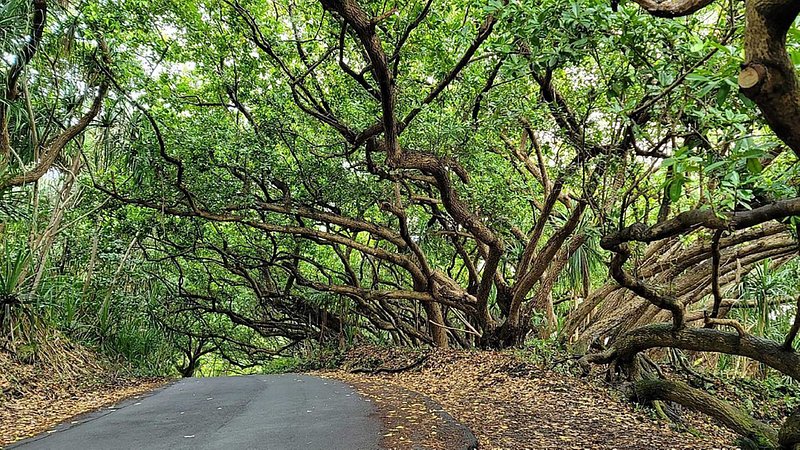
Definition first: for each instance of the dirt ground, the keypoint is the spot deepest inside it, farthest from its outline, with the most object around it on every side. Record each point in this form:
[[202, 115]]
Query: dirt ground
[[67, 381], [509, 404], [411, 420], [22, 419]]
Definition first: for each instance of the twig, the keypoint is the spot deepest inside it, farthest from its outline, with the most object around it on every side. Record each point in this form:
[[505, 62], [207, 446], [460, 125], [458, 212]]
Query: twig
[[788, 344], [413, 365], [727, 322], [456, 329]]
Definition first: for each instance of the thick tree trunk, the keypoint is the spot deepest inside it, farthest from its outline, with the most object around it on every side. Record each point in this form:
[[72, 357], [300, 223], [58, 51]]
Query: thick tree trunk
[[789, 436], [759, 433], [505, 336], [188, 370]]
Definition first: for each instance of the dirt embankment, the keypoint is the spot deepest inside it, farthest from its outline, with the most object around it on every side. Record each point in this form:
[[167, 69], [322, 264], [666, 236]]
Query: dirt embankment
[[510, 404], [60, 381]]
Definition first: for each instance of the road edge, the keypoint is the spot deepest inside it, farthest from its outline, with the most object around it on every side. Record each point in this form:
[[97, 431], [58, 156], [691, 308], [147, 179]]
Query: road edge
[[93, 414], [459, 436]]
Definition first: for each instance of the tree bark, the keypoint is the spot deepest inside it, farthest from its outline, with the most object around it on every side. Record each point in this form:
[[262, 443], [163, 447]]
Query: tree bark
[[788, 343], [681, 393], [436, 322], [768, 76], [39, 18], [701, 339], [673, 8], [789, 435]]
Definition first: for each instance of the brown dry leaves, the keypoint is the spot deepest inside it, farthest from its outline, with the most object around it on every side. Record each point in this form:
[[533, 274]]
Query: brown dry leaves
[[36, 397], [410, 420], [511, 405], [34, 414], [406, 420]]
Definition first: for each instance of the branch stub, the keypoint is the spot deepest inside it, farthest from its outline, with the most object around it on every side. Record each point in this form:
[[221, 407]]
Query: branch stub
[[751, 76]]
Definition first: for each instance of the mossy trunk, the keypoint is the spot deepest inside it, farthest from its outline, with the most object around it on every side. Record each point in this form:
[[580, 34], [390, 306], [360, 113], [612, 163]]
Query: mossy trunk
[[758, 433], [789, 436]]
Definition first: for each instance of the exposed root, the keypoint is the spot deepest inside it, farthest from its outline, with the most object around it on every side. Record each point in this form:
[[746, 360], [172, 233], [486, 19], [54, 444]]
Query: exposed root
[[681, 393]]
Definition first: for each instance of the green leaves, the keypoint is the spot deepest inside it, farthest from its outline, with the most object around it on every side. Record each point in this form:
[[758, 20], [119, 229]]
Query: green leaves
[[13, 268], [676, 188], [754, 166], [273, 199]]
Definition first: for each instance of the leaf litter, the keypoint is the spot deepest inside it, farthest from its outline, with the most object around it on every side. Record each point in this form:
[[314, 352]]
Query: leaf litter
[[512, 404]]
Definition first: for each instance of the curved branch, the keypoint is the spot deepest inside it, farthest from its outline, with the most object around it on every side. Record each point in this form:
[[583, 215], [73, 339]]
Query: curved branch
[[704, 340], [727, 414], [673, 8], [788, 343], [707, 218], [58, 143], [646, 291], [25, 56]]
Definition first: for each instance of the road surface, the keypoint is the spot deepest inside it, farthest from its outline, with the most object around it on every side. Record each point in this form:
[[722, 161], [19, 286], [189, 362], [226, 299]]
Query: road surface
[[273, 412]]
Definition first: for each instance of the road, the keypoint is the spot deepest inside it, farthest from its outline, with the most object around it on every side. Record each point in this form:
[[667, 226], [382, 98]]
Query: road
[[273, 412]]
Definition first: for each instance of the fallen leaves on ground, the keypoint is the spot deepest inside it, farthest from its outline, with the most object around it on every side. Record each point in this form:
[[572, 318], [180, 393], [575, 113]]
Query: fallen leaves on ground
[[410, 420], [64, 382], [510, 404], [36, 414]]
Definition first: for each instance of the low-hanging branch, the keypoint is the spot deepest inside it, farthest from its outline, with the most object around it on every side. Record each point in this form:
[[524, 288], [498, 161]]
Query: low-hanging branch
[[683, 265], [682, 394], [700, 339], [708, 218]]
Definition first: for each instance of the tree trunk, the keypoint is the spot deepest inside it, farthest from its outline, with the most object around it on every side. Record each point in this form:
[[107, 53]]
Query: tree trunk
[[761, 434], [436, 324], [45, 242], [789, 436]]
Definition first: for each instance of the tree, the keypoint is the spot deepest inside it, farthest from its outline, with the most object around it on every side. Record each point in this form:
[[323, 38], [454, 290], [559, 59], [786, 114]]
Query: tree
[[768, 75], [42, 138], [774, 90], [323, 171]]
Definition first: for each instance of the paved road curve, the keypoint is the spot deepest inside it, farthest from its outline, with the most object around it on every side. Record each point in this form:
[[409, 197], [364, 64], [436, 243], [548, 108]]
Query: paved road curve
[[274, 412]]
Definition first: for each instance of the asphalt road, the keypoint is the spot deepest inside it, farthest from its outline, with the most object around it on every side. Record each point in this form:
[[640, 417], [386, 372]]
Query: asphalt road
[[274, 412]]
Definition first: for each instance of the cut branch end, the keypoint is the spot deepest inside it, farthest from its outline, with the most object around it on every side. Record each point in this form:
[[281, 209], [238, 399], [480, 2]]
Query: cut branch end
[[752, 76]]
